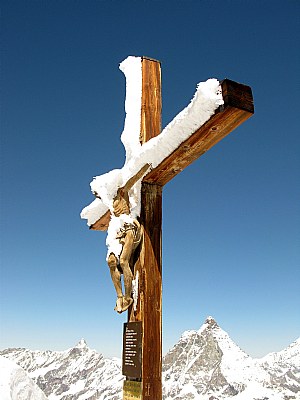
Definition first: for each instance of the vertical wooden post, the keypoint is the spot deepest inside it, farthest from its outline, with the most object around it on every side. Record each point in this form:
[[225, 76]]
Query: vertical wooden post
[[151, 99], [149, 264], [146, 315]]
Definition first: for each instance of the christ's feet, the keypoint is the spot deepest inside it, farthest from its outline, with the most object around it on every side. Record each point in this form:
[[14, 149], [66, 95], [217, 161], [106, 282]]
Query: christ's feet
[[123, 303], [127, 301], [119, 305]]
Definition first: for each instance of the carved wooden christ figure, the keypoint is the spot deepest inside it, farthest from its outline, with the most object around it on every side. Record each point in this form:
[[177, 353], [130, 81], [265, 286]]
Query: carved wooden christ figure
[[124, 236], [118, 192]]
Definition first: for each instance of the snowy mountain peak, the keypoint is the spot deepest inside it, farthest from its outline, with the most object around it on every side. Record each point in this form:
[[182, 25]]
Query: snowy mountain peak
[[81, 344], [211, 323], [209, 361]]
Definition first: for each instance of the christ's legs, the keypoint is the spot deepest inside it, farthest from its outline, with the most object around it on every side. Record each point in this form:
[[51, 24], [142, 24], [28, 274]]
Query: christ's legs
[[116, 278], [128, 248]]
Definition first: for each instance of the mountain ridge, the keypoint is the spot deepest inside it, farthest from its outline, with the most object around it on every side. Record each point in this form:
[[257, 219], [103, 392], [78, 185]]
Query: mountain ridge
[[204, 364]]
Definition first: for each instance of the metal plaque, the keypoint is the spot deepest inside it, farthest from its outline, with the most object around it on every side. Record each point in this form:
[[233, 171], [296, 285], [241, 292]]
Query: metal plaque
[[132, 350], [132, 390]]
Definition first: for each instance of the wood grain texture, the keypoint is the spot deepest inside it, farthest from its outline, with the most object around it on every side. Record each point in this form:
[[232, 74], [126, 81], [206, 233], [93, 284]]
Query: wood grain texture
[[102, 223], [151, 99], [149, 310], [237, 108], [149, 263], [152, 276]]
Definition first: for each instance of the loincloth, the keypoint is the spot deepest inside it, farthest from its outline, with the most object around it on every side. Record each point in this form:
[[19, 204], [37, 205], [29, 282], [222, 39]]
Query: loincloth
[[136, 228], [118, 228]]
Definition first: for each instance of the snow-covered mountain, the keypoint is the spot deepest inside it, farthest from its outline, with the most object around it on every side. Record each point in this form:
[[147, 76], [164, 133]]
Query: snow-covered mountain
[[207, 365], [284, 367], [15, 383], [203, 365], [77, 373]]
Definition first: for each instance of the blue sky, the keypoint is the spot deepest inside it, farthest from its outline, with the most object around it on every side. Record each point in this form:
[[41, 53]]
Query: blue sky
[[230, 221]]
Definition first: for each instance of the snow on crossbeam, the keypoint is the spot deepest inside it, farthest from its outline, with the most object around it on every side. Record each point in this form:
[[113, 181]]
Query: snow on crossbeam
[[215, 110], [237, 108]]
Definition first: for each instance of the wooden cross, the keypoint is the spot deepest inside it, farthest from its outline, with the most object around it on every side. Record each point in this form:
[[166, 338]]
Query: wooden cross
[[238, 107]]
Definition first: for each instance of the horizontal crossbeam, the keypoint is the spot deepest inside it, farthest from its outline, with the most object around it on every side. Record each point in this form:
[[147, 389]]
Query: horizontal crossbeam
[[237, 108]]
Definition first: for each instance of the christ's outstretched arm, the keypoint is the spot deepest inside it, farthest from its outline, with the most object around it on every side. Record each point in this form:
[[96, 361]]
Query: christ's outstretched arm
[[134, 179]]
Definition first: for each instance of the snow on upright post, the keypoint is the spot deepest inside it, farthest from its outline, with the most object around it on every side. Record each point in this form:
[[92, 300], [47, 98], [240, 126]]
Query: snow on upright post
[[207, 98], [132, 69]]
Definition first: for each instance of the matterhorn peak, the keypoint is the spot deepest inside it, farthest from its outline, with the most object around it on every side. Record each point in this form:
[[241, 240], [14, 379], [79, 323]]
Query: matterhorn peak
[[210, 325], [81, 344], [211, 322]]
